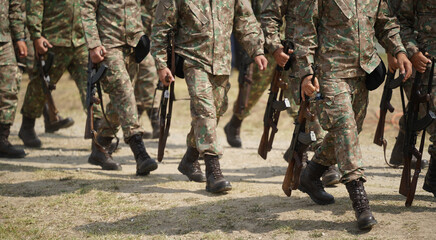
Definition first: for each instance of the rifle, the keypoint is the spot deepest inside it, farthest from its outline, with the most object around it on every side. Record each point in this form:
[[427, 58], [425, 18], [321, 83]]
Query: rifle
[[413, 127], [245, 79], [44, 64], [276, 103], [385, 106], [301, 140], [166, 103]]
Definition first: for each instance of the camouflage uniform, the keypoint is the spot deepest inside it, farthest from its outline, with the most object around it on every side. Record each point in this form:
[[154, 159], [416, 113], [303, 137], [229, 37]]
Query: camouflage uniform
[[336, 36], [117, 26], [418, 30], [147, 77], [202, 38], [60, 23], [11, 29]]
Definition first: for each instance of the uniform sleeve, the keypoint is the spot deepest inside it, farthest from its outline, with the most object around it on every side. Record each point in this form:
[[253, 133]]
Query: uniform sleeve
[[305, 36], [271, 20], [247, 30], [165, 22], [148, 8], [406, 17], [89, 23], [387, 30], [16, 20]]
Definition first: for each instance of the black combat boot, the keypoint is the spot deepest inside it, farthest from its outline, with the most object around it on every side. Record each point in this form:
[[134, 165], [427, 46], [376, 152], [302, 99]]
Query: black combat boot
[[311, 184], [153, 115], [397, 156], [190, 166], [331, 177], [7, 150], [51, 127], [27, 133], [100, 156], [430, 177], [144, 163], [215, 182], [232, 130], [357, 193]]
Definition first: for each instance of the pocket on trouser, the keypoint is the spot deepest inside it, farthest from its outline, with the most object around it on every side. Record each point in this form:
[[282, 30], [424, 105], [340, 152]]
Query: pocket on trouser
[[325, 111]]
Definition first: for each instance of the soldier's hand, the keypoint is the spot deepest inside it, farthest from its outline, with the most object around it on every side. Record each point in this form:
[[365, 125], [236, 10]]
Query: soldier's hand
[[261, 62], [22, 48], [404, 65], [281, 57], [42, 45], [392, 63], [307, 88], [165, 76], [97, 54], [419, 61]]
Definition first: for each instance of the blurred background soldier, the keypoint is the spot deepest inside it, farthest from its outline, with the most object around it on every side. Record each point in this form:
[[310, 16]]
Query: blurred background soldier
[[11, 30]]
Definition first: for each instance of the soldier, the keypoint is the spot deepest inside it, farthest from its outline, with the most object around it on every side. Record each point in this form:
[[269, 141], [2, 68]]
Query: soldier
[[11, 29], [146, 80], [273, 12], [56, 27], [338, 36], [202, 38], [418, 21], [112, 29]]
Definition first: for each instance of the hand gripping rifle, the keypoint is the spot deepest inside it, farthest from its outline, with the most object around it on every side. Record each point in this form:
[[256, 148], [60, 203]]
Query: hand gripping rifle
[[276, 104], [413, 127], [166, 103], [245, 79], [93, 89], [385, 105], [301, 140], [44, 64]]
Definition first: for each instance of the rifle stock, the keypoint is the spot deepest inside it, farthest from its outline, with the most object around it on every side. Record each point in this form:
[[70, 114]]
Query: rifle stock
[[45, 62]]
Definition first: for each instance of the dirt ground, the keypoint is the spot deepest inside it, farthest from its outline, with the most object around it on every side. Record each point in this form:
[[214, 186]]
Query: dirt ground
[[55, 194]]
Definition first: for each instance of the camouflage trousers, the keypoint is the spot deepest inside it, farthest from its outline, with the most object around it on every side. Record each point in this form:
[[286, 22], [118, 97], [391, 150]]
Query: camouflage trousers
[[431, 130], [10, 79], [209, 102], [118, 83], [71, 59], [145, 83], [341, 114]]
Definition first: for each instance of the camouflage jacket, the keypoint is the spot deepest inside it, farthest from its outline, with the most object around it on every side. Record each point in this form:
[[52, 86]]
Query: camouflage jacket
[[339, 35], [271, 19], [202, 31], [111, 23], [418, 25], [11, 20], [148, 8], [58, 21]]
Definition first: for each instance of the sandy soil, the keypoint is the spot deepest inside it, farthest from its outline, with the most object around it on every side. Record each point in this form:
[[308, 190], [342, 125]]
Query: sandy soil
[[54, 194]]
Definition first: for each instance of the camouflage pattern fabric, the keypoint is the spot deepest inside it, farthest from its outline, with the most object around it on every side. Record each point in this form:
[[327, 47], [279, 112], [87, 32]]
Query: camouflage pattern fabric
[[145, 83], [418, 25], [11, 26], [71, 59], [121, 109], [341, 113], [10, 79], [203, 32], [111, 23], [58, 21], [208, 103], [344, 45], [147, 77]]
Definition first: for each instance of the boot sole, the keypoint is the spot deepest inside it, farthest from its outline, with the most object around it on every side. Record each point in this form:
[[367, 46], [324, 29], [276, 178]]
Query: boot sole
[[146, 170], [219, 190], [96, 163], [12, 156], [317, 201], [369, 225], [55, 129]]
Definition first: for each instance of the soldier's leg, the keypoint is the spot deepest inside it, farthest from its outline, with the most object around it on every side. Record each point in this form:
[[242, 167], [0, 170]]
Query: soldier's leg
[[34, 99], [121, 110], [208, 102], [145, 85], [261, 81], [10, 79]]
